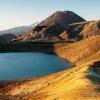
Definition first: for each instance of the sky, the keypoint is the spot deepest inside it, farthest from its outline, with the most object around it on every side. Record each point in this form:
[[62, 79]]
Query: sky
[[14, 13]]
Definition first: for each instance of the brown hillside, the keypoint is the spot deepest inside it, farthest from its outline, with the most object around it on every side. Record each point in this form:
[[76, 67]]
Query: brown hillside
[[80, 83], [91, 29], [76, 52], [83, 29]]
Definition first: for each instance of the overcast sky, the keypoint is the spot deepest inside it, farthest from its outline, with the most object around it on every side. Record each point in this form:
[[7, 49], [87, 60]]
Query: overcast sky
[[14, 13]]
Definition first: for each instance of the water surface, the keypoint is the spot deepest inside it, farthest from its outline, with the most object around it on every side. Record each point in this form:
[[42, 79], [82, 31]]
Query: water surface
[[25, 65]]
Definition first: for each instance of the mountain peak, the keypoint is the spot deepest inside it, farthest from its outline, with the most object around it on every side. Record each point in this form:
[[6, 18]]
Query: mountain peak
[[66, 11]]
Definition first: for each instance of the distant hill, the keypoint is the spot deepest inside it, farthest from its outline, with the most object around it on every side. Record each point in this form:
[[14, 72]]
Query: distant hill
[[10, 34], [16, 30], [6, 38]]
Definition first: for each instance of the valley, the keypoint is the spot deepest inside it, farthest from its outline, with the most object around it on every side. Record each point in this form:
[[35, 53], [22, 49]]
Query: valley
[[70, 37]]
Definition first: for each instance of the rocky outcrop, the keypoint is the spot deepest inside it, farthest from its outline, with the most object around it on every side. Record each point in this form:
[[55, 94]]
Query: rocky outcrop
[[64, 35], [91, 29], [83, 30]]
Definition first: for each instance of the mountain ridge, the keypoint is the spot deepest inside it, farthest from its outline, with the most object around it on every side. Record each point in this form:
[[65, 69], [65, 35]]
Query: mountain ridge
[[16, 30]]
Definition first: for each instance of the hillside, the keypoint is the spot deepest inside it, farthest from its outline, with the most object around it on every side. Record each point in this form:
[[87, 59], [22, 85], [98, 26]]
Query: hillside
[[81, 82], [91, 29], [75, 52], [81, 30]]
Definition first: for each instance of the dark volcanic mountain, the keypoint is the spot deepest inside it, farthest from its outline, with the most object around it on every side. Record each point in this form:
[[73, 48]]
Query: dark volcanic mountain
[[52, 26], [57, 22]]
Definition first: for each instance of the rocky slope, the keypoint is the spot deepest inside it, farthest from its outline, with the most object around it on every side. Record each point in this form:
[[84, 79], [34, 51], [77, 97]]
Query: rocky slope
[[91, 29], [78, 31]]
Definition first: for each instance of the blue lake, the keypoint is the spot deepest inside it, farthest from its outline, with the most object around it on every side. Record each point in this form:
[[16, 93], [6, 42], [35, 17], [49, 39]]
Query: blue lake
[[15, 66]]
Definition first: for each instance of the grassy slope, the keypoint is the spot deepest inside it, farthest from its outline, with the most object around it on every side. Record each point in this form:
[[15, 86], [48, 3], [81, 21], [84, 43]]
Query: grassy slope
[[66, 85], [81, 50], [73, 84]]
